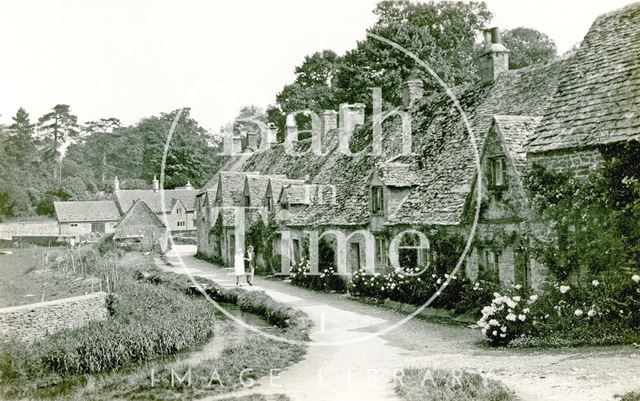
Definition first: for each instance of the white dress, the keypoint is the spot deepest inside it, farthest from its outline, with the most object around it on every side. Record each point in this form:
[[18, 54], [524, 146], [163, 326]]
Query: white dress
[[238, 264]]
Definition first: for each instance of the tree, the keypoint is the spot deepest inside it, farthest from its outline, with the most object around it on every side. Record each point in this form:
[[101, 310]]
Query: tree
[[442, 34], [528, 47], [20, 146], [58, 128], [99, 132], [189, 158], [312, 89]]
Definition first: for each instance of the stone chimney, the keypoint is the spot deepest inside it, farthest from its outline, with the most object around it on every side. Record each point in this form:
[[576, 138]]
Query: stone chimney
[[290, 128], [237, 145], [155, 184], [272, 133], [328, 121], [351, 115], [413, 92], [116, 184], [252, 140], [494, 59]]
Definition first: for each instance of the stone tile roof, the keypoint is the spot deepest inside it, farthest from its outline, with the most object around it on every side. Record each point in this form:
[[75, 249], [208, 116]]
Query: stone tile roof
[[397, 174], [445, 150], [303, 194], [139, 215], [442, 146], [231, 186], [598, 99], [515, 132], [257, 185], [153, 199], [86, 211]]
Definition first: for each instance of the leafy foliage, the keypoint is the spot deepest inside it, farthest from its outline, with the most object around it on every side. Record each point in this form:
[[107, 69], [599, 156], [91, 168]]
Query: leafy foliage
[[527, 47], [593, 220]]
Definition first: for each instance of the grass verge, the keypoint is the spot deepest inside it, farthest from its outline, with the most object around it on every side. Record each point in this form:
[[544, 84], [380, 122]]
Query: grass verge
[[425, 384]]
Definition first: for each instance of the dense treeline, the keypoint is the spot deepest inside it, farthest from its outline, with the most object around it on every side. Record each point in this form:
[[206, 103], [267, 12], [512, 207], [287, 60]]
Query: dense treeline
[[63, 160]]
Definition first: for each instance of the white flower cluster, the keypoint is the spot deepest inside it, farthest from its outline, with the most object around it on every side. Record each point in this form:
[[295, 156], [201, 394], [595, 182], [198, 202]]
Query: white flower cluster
[[489, 321]]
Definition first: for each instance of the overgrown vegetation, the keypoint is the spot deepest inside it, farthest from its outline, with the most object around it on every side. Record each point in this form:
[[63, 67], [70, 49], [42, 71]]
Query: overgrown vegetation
[[592, 249], [441, 385], [146, 322], [153, 315]]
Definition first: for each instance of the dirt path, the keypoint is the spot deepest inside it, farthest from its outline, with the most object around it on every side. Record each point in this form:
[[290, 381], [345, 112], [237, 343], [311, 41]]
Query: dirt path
[[365, 370]]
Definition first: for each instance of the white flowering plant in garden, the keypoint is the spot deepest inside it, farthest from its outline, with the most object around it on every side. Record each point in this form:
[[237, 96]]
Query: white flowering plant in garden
[[600, 310], [508, 316]]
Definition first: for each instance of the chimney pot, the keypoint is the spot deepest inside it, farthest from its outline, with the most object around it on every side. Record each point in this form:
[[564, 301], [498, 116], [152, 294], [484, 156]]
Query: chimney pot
[[329, 121], [413, 92], [495, 58], [351, 115], [252, 140], [237, 145], [155, 184], [272, 133], [291, 129]]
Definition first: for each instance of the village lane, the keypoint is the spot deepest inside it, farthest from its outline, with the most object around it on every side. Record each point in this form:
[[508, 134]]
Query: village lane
[[359, 366]]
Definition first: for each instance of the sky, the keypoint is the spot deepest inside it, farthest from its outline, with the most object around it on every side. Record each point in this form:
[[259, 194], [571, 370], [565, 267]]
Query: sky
[[133, 59]]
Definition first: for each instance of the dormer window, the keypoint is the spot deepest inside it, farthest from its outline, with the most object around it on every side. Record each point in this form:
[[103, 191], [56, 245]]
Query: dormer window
[[377, 200], [284, 206], [269, 203], [498, 172], [247, 201]]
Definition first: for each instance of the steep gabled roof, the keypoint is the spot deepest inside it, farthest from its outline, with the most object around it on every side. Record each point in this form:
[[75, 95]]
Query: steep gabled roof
[[514, 133], [230, 187], [140, 215], [598, 99], [257, 187], [86, 211], [446, 151], [153, 199]]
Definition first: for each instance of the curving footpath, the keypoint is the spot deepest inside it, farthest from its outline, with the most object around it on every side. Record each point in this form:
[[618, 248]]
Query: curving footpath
[[368, 369]]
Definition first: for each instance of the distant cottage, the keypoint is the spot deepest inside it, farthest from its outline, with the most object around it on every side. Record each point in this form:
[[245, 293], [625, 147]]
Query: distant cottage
[[86, 217], [173, 208], [140, 226], [176, 205], [556, 114]]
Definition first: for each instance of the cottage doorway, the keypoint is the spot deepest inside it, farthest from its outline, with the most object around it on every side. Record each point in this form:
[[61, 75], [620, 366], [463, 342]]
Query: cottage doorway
[[522, 268], [232, 248], [354, 257]]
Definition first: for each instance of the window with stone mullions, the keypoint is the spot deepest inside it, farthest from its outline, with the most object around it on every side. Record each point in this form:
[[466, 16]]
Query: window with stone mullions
[[377, 200], [498, 172]]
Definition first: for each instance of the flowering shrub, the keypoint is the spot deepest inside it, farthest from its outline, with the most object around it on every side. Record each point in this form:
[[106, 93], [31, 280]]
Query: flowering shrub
[[507, 317], [413, 286], [603, 310], [327, 280]]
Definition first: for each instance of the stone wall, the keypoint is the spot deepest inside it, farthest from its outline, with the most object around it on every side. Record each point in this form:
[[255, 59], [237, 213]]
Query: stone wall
[[578, 161], [34, 321], [35, 228]]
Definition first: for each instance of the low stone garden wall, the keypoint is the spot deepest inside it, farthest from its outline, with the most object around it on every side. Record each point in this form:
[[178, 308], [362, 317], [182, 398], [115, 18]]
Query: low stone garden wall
[[34, 321]]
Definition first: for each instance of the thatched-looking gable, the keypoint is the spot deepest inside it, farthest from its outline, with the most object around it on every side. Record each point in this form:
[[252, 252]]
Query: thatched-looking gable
[[598, 97]]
